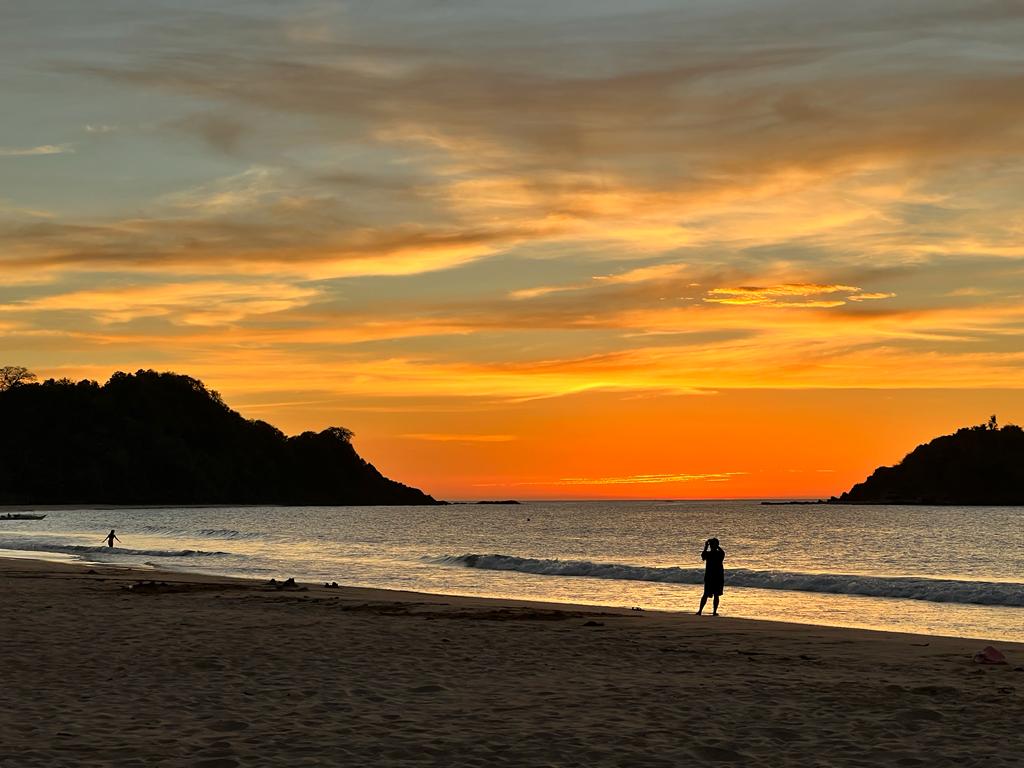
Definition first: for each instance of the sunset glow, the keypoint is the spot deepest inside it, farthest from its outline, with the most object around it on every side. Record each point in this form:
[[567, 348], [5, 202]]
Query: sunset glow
[[532, 250]]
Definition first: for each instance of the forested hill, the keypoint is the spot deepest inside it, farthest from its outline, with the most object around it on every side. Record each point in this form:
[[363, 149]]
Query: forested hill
[[161, 438], [978, 466]]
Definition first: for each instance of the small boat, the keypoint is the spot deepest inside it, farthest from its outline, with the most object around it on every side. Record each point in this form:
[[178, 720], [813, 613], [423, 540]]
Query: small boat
[[18, 516]]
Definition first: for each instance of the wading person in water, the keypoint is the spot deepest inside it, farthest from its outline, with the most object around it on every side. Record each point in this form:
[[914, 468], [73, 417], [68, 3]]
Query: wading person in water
[[714, 574], [111, 538]]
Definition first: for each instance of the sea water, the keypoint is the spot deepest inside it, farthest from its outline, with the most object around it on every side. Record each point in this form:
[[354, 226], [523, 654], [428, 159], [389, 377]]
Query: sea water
[[937, 570]]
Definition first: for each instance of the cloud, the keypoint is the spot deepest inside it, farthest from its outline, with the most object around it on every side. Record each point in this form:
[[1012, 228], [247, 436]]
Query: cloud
[[641, 479], [223, 132], [870, 296], [653, 273], [246, 191], [643, 274], [714, 477], [43, 149], [245, 223], [790, 295], [946, 348], [545, 102], [515, 201], [194, 303], [971, 291], [443, 437]]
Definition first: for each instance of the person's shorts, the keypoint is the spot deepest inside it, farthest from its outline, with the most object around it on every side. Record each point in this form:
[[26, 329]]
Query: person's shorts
[[713, 590]]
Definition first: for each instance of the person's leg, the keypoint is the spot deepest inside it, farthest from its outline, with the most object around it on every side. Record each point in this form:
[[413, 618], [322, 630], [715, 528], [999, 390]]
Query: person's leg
[[714, 606], [703, 602]]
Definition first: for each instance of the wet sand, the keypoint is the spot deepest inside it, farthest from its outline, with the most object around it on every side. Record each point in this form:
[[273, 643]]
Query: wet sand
[[216, 673]]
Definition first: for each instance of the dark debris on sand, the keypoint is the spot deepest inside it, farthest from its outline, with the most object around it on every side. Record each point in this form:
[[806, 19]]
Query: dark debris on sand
[[163, 587], [288, 584]]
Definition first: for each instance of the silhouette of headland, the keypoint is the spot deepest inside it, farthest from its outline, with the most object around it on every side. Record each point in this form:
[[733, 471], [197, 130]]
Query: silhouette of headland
[[162, 438], [976, 466]]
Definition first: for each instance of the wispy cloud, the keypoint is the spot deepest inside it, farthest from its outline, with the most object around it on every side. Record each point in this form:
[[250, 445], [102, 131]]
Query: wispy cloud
[[640, 479], [870, 296], [972, 292], [791, 295], [246, 191], [650, 274], [193, 303], [683, 477], [792, 289], [444, 437], [42, 149], [643, 274]]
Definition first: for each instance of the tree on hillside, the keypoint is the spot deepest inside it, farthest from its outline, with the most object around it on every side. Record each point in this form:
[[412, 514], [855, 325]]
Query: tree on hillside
[[341, 434], [161, 438], [978, 465], [14, 376]]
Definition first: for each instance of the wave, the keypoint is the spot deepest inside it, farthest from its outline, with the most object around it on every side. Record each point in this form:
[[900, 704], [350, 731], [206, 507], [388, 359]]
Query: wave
[[205, 533], [908, 587], [79, 549]]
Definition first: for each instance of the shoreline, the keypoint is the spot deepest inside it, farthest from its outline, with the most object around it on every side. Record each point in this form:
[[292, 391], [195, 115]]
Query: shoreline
[[960, 609], [148, 571], [127, 573], [220, 672]]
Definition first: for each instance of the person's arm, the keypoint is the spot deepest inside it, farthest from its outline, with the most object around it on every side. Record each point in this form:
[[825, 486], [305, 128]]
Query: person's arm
[[117, 540]]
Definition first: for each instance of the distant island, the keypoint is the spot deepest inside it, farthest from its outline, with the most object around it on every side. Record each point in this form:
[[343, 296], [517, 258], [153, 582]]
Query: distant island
[[163, 438], [976, 466]]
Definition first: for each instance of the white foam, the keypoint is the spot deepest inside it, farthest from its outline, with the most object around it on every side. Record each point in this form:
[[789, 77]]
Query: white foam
[[27, 545], [909, 587]]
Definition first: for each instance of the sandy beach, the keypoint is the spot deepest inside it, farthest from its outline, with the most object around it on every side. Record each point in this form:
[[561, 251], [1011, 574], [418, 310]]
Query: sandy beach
[[215, 673]]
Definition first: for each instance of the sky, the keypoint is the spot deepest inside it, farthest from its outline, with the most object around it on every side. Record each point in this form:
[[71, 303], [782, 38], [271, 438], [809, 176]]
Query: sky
[[657, 249]]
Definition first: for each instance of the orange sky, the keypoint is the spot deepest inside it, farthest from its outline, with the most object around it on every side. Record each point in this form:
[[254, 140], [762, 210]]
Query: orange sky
[[734, 443], [531, 249]]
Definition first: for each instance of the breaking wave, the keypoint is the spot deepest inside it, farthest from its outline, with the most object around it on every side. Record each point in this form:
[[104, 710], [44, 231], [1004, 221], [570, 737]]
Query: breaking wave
[[908, 587], [83, 550]]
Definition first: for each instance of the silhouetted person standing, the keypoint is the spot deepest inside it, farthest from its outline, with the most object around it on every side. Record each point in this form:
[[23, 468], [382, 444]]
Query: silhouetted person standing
[[111, 538], [714, 574]]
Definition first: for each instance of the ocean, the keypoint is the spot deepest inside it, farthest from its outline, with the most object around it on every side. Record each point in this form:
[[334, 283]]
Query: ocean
[[955, 571]]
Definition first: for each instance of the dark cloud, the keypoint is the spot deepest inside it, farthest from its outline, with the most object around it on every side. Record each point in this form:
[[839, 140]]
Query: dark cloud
[[222, 132], [203, 245]]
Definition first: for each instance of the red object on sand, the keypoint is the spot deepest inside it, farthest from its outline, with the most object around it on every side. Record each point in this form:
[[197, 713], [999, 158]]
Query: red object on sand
[[989, 655]]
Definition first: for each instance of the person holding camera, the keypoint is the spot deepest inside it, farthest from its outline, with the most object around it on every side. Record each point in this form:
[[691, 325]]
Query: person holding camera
[[714, 574]]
